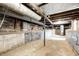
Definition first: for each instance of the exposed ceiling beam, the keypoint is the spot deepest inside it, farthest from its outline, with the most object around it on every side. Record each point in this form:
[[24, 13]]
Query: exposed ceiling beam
[[37, 10], [71, 13], [42, 4]]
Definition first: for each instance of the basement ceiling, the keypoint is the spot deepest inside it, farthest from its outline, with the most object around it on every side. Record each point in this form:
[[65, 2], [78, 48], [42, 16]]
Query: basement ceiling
[[57, 11], [71, 14], [52, 8]]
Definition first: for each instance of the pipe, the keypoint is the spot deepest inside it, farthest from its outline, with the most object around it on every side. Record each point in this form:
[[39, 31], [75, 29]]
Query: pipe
[[26, 19], [2, 21], [38, 9], [21, 9], [48, 19]]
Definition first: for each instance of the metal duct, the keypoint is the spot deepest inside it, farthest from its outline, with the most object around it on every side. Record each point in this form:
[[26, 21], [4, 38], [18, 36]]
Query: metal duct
[[21, 9]]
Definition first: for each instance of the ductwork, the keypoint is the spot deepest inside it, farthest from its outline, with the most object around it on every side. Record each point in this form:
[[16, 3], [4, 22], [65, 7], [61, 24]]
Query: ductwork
[[21, 9]]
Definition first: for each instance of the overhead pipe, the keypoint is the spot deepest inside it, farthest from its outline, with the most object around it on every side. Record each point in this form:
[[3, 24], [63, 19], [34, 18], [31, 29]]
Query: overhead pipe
[[21, 9], [2, 21], [11, 14], [48, 19], [34, 7], [39, 10]]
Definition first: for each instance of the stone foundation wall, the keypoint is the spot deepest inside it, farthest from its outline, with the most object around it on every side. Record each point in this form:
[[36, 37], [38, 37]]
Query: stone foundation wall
[[10, 41]]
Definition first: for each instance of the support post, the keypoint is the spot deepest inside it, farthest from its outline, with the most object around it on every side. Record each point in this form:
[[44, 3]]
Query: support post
[[44, 33], [30, 32], [62, 29]]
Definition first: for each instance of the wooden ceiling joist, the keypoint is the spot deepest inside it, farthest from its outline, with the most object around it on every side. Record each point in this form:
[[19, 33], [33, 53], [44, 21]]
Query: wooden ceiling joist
[[71, 13]]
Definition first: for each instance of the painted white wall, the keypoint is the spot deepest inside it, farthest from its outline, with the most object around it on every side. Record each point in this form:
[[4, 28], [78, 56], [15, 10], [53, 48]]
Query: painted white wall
[[10, 41], [75, 25], [50, 35]]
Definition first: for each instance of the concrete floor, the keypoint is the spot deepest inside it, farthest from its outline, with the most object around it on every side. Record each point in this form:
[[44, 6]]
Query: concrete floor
[[36, 48]]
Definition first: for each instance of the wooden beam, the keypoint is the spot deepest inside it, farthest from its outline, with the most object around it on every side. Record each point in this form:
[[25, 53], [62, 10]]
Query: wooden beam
[[65, 14], [42, 4]]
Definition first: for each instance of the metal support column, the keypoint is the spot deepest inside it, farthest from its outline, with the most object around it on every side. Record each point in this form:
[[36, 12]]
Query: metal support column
[[30, 31], [44, 33]]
